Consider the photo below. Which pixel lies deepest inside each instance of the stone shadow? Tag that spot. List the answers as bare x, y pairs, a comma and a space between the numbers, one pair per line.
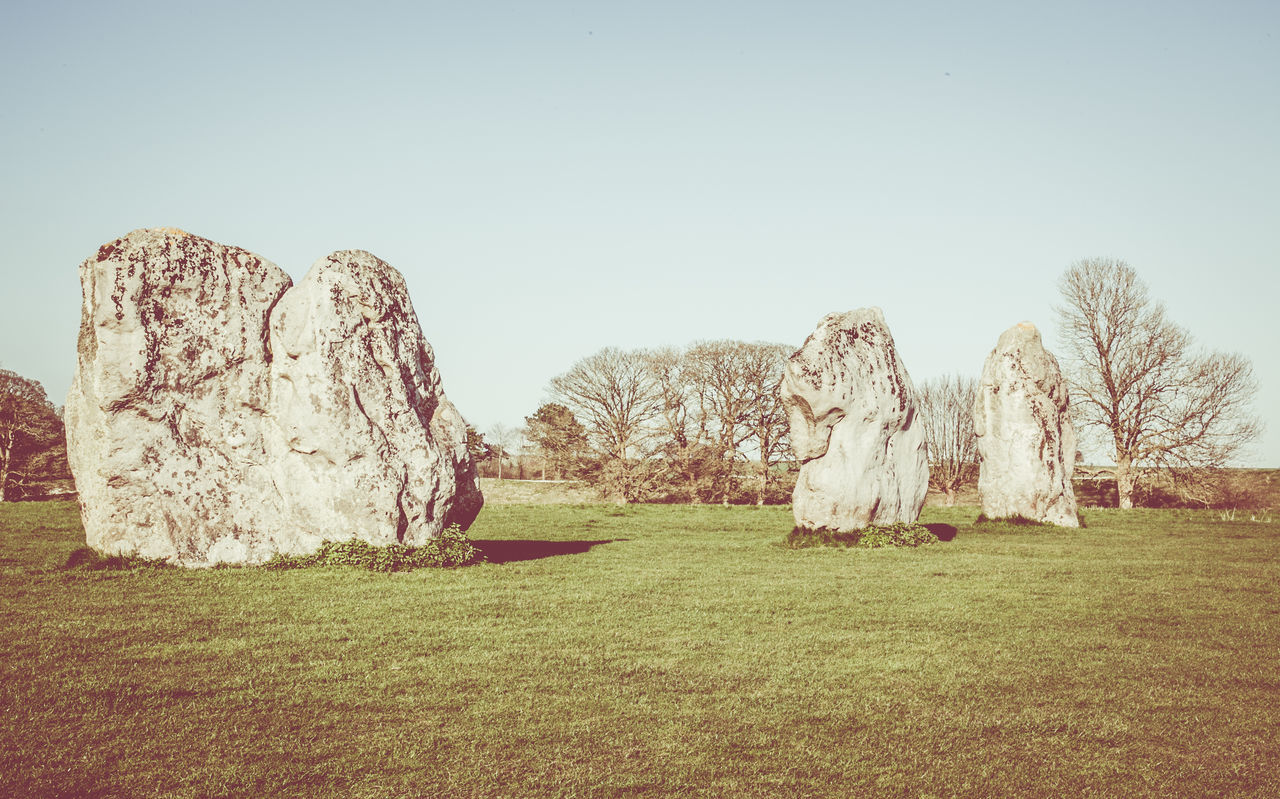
944, 532
512, 550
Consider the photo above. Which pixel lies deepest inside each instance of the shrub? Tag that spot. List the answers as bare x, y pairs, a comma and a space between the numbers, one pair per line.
451, 549
873, 536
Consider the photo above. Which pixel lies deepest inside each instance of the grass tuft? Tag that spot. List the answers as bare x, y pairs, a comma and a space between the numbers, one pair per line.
1018, 520
872, 536
86, 559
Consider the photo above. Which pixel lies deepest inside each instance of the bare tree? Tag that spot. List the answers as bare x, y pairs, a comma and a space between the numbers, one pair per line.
504, 438
727, 402
682, 421
613, 393
1134, 377
680, 418
946, 409
765, 421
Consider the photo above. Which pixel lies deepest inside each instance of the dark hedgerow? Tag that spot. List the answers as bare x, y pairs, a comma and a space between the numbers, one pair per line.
873, 536
451, 549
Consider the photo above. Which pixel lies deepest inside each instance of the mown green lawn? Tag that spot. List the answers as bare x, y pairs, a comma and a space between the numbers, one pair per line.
657, 651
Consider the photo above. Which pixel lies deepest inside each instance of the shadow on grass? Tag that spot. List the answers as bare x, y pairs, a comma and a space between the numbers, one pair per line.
944, 532
510, 551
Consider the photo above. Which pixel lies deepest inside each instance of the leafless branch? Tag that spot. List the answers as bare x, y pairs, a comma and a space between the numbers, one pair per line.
1133, 377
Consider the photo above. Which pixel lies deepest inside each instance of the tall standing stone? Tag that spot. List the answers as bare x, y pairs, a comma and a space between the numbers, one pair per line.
1025, 440
852, 413
364, 438
166, 412
219, 415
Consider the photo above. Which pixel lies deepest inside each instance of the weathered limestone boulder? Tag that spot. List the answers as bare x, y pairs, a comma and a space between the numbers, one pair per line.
852, 412
1025, 441
364, 439
219, 415
166, 411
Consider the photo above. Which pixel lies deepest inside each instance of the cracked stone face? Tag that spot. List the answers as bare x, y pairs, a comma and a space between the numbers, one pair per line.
852, 413
1025, 440
220, 413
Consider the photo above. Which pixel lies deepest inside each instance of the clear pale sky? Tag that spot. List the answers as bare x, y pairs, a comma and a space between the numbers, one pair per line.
557, 177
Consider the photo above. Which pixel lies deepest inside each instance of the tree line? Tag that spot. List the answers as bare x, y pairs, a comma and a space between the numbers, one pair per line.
699, 424
703, 424
706, 423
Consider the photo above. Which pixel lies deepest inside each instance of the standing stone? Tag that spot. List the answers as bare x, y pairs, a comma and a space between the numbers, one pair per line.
1025, 441
364, 438
165, 415
203, 379
852, 412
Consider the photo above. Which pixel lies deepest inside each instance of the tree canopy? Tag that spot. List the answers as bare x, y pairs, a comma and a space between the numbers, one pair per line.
33, 451
674, 421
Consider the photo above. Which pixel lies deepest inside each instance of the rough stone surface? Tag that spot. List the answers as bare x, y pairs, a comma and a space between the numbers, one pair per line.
364, 438
1025, 440
219, 415
852, 412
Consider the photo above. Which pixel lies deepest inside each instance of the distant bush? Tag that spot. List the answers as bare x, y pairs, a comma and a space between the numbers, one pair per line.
1095, 491
1221, 489
742, 487
451, 549
873, 536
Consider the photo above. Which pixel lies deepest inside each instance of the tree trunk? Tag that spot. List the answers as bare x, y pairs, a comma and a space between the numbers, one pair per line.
764, 483
691, 480
728, 479
624, 475
951, 495
1124, 481
5, 458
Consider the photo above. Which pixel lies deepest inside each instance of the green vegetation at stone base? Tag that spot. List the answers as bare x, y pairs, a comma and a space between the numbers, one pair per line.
451, 549
990, 523
873, 536
657, 651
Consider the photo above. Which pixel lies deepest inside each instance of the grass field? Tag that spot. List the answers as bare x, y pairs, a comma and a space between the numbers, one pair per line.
657, 651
